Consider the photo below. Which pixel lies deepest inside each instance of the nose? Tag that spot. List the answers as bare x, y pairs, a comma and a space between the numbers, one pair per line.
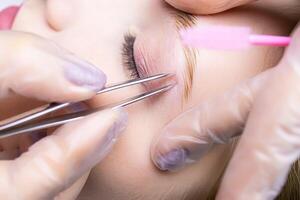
59, 13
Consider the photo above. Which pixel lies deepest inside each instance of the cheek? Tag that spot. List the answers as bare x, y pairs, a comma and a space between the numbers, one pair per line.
128, 172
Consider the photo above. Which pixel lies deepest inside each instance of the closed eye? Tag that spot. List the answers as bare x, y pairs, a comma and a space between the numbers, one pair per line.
128, 56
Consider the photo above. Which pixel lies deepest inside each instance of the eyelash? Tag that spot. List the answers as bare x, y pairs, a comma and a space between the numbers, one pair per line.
128, 55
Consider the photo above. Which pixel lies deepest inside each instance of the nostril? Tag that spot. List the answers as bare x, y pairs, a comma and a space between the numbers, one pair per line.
59, 14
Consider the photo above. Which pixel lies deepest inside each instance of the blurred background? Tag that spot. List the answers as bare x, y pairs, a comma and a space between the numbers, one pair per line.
5, 3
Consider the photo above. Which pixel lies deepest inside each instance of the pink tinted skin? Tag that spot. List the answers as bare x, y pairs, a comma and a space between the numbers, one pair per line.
168, 58
94, 30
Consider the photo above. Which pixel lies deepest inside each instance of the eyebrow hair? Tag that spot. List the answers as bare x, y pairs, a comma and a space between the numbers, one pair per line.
183, 21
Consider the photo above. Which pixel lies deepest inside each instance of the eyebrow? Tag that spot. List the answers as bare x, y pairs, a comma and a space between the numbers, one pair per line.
183, 21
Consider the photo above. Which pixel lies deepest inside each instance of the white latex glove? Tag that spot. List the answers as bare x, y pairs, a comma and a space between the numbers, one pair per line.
36, 68
54, 163
266, 110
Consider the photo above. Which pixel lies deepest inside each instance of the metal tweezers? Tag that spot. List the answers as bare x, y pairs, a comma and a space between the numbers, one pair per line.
26, 123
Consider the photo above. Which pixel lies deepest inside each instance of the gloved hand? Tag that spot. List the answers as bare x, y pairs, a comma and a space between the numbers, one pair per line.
265, 109
36, 68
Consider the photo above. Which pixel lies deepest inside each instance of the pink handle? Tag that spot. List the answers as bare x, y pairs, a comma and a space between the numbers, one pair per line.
270, 40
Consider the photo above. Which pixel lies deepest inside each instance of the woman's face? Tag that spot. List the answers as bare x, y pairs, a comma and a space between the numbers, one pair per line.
95, 30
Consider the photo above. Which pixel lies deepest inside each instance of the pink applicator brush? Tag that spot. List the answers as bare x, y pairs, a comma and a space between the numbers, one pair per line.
229, 38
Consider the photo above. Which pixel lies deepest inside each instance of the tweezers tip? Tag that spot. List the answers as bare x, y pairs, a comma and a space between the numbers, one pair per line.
168, 74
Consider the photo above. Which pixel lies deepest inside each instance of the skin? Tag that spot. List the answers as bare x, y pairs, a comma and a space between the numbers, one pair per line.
94, 30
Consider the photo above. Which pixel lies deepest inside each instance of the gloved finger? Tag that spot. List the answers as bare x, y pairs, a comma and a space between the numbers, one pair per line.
188, 137
74, 190
57, 161
270, 143
206, 6
14, 146
37, 68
